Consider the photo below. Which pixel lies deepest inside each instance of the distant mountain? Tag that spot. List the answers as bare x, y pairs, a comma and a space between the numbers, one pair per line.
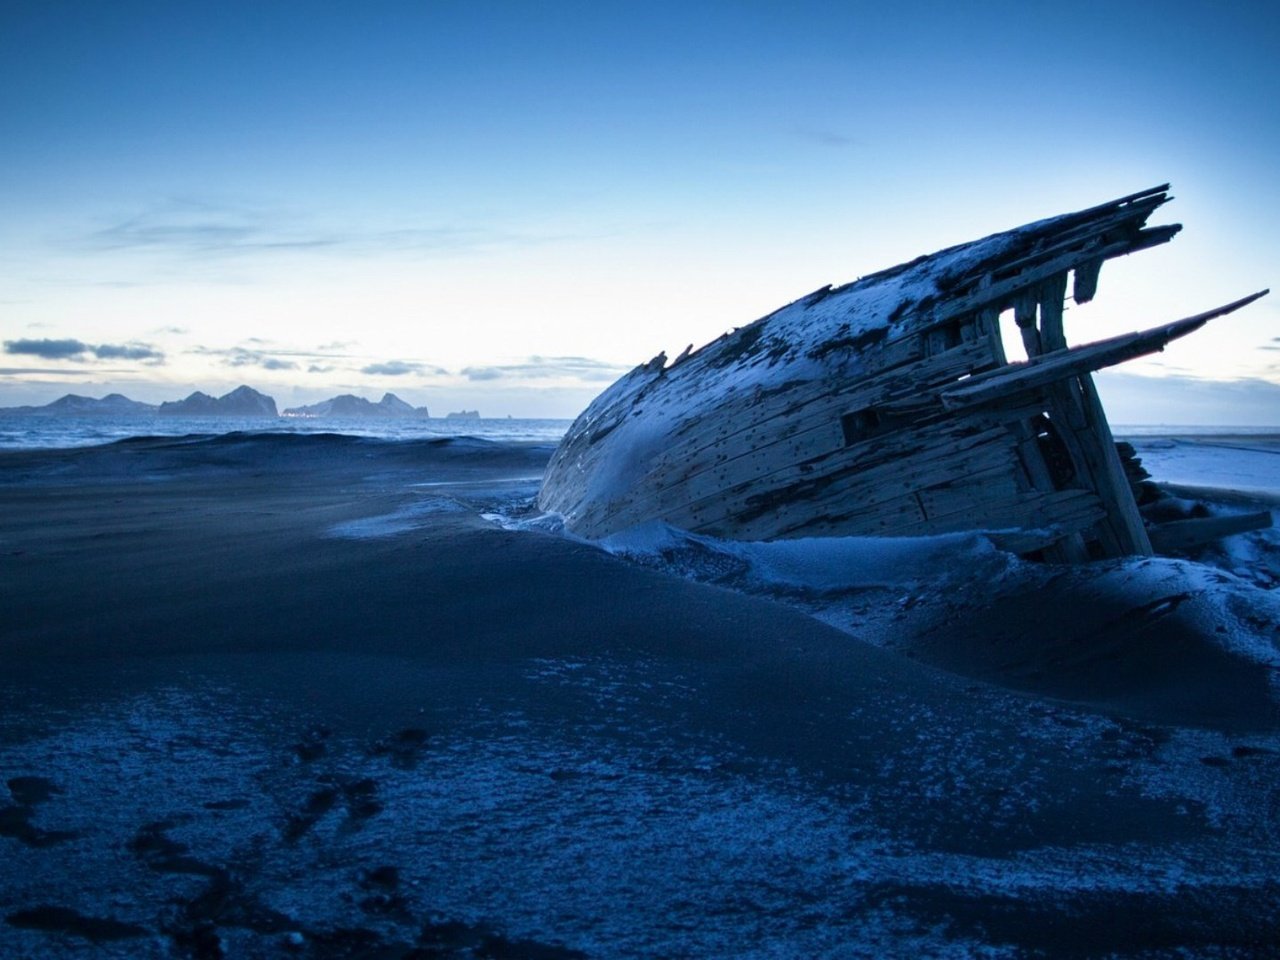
463, 415
73, 405
348, 405
240, 402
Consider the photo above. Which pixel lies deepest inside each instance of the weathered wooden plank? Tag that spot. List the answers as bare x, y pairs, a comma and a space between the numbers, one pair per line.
1060, 254
909, 512
1035, 373
810, 446
866, 474
1069, 423
863, 465
877, 520
1052, 292
971, 494
1024, 308
1024, 315
1184, 534
936, 444
987, 292
1085, 280
1069, 548
1032, 459
815, 407
1093, 452
1002, 290
1121, 227
861, 470
1064, 509
1115, 485
721, 497
749, 408
989, 323
1061, 511
791, 496
1073, 516
1151, 193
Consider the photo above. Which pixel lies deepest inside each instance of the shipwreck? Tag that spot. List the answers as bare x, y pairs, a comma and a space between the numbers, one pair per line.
887, 407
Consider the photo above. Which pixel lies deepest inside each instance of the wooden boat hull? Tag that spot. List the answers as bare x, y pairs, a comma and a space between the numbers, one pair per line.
886, 407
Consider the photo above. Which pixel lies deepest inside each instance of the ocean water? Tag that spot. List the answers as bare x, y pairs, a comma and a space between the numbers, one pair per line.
25, 432
44, 432
1128, 430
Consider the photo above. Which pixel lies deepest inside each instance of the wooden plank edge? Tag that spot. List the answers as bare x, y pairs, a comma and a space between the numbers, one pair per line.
1182, 534
1035, 373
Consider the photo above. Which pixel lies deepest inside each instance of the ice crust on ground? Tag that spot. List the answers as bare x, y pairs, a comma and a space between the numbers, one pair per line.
741, 858
1237, 466
406, 518
1238, 470
842, 579
819, 564
1214, 611
631, 800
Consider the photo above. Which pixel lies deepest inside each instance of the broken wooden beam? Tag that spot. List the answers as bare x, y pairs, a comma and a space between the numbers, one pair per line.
1014, 378
1052, 293
1085, 280
1184, 534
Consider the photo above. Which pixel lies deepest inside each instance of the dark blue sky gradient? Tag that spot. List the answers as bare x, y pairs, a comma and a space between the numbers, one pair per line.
336, 91
871, 132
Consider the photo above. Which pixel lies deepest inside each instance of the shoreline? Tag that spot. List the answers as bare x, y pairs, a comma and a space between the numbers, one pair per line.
226, 717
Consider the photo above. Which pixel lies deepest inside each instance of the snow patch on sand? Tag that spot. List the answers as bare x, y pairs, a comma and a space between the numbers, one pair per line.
819, 563
407, 518
1234, 465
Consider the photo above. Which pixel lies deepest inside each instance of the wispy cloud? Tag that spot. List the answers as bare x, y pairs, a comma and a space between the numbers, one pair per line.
258, 352
64, 372
78, 350
320, 353
202, 229
578, 368
48, 349
127, 351
245, 357
400, 368
201, 232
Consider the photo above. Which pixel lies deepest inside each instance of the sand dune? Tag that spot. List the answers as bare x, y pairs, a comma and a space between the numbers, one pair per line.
296, 695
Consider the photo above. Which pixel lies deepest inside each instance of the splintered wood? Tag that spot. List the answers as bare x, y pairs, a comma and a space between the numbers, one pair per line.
887, 407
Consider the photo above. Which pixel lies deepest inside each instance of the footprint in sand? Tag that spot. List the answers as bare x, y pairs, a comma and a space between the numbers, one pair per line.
317, 804
65, 920
15, 820
154, 847
404, 749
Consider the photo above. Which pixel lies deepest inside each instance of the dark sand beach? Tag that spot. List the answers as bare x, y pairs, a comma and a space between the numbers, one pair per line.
298, 696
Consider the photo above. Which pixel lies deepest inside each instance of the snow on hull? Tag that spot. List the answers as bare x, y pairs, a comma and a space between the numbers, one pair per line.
885, 407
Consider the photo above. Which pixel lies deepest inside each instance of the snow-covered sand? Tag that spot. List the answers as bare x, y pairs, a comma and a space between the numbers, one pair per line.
337, 697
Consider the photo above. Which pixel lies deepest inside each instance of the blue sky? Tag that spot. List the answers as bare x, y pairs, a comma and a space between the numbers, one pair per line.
504, 205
